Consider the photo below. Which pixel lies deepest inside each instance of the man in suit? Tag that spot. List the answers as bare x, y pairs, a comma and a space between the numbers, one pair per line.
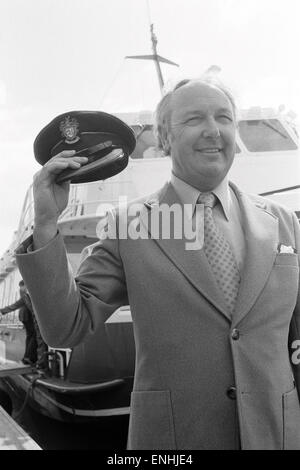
213, 321
23, 304
35, 347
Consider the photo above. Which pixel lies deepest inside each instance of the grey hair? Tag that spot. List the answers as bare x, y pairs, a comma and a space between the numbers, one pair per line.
162, 116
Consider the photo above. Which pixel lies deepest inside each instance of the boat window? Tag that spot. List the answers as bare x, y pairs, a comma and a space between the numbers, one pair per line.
145, 143
265, 135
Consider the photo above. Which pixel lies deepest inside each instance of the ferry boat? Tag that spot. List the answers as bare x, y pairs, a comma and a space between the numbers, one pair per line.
95, 379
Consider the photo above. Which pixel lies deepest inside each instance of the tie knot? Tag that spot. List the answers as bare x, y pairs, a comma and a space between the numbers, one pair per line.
208, 199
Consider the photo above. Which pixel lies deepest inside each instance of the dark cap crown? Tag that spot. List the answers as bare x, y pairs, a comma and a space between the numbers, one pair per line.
90, 133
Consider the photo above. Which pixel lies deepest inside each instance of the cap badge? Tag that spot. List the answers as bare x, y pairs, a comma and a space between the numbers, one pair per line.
69, 128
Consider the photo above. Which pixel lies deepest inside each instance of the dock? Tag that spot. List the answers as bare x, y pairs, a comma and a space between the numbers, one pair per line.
12, 436
14, 368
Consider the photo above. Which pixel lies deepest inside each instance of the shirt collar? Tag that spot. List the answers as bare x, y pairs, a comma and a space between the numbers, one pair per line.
189, 195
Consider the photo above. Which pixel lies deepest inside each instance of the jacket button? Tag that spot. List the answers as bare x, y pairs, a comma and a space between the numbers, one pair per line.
235, 334
231, 393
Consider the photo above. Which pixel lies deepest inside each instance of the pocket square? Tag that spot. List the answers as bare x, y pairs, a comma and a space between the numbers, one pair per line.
286, 249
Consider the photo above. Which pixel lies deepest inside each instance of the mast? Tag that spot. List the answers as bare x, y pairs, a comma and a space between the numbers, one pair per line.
155, 57
156, 60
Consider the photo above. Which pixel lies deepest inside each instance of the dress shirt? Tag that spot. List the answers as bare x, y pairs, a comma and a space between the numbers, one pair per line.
226, 213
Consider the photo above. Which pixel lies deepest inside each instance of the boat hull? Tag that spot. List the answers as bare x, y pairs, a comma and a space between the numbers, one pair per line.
94, 384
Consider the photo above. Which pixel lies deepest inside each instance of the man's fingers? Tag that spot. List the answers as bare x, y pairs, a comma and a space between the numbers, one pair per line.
56, 166
65, 153
66, 161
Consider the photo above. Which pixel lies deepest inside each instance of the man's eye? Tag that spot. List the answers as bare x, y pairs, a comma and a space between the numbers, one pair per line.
225, 117
193, 120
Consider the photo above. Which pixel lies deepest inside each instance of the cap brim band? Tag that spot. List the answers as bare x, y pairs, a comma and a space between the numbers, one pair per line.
97, 165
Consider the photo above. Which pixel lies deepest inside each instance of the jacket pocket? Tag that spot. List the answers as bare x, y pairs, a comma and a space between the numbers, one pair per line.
151, 423
287, 259
291, 420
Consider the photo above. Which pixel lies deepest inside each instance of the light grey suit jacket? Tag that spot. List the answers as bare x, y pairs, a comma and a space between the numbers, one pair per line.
186, 355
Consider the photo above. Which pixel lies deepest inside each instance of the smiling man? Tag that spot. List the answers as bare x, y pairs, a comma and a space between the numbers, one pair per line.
202, 134
214, 327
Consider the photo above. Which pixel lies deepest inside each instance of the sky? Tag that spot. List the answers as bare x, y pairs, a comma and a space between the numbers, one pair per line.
61, 55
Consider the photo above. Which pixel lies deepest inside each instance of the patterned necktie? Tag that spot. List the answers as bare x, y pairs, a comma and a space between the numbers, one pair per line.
219, 254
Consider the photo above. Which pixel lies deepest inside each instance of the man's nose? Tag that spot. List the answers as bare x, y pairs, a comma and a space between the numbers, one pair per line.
211, 129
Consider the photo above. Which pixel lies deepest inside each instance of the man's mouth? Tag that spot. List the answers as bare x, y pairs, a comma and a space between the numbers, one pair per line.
210, 150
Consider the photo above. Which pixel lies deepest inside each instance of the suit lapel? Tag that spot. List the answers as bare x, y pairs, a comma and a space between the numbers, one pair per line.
261, 235
192, 263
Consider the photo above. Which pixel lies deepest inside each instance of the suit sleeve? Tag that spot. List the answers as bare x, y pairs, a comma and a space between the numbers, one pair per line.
294, 333
67, 308
15, 306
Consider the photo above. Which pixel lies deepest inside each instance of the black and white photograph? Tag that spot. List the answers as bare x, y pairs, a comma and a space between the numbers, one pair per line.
149, 236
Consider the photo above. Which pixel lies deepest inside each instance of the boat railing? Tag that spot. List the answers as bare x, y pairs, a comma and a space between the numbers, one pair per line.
17, 325
80, 208
7, 260
80, 203
62, 357
87, 208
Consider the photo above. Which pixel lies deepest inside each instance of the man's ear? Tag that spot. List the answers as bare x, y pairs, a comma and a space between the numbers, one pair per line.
166, 142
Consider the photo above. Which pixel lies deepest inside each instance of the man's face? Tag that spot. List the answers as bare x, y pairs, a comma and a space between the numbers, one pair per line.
201, 135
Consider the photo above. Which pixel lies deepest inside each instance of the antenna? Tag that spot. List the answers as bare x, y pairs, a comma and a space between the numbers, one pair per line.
155, 57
